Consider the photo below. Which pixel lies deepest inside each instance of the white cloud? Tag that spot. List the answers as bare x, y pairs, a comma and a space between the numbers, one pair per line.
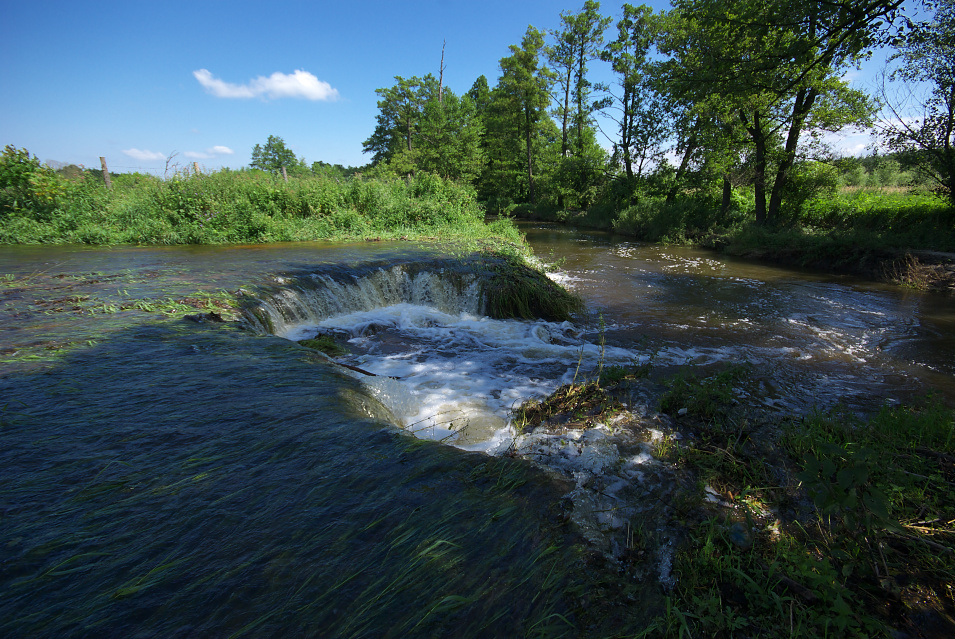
851, 76
144, 156
850, 142
300, 84
209, 153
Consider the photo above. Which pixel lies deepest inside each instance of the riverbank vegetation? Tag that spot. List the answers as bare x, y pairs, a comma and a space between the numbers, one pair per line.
829, 524
703, 128
249, 206
715, 130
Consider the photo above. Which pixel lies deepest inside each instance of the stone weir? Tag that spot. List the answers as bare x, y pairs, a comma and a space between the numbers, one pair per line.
478, 285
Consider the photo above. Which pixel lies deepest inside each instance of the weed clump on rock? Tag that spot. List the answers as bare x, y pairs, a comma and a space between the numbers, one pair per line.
515, 290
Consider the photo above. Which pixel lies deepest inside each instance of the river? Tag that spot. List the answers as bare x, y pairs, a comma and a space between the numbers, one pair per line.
163, 477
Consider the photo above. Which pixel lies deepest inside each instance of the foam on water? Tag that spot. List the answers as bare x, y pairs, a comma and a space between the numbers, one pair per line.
456, 377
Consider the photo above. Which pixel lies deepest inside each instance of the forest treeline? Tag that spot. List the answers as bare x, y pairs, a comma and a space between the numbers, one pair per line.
711, 130
717, 113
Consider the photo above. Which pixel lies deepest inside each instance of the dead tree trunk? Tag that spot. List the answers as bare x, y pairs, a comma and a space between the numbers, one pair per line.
109, 183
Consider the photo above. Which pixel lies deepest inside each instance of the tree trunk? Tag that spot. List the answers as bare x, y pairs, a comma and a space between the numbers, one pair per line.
441, 75
801, 108
580, 99
691, 147
759, 165
530, 163
626, 128
727, 194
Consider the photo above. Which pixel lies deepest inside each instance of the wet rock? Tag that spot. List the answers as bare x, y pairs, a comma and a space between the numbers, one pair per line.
740, 535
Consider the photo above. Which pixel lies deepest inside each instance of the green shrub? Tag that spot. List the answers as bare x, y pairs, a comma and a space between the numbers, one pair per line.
26, 186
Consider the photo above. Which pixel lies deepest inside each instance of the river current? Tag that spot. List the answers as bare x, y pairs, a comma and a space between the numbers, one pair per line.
162, 477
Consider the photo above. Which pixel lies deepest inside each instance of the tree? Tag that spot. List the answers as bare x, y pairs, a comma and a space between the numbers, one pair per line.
921, 126
273, 156
400, 109
480, 94
422, 126
777, 66
636, 106
577, 44
521, 98
450, 138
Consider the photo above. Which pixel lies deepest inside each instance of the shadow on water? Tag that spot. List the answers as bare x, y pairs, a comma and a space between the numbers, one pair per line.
181, 478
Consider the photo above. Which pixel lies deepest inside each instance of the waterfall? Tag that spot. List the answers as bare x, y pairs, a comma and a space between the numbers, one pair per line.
309, 298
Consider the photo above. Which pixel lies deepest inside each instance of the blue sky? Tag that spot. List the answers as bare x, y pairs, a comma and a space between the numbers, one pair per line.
138, 81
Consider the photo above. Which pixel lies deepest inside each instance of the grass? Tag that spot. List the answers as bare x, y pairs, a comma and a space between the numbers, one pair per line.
705, 397
325, 344
582, 403
514, 290
246, 207
873, 552
832, 525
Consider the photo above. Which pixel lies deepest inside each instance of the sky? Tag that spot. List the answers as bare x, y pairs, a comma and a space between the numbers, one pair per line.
206, 80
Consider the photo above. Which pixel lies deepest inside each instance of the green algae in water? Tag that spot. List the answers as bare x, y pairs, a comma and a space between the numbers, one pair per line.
208, 479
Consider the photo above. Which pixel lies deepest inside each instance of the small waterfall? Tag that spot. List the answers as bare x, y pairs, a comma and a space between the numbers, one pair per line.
309, 298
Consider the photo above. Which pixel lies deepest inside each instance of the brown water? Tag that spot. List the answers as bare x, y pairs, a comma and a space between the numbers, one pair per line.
817, 338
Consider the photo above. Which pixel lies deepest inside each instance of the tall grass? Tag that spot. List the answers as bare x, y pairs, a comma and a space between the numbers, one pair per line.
242, 207
905, 219
848, 222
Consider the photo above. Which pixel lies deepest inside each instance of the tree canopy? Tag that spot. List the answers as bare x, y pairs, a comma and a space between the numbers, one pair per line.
710, 92
273, 156
921, 123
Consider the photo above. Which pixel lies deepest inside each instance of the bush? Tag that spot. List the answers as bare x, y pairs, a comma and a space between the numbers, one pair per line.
683, 220
807, 182
27, 187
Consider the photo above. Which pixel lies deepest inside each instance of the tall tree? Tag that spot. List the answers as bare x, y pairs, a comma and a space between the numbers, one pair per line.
778, 66
635, 104
400, 108
449, 141
422, 126
921, 122
577, 44
523, 93
480, 93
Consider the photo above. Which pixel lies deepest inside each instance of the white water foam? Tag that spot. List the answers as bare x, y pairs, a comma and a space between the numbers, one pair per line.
456, 377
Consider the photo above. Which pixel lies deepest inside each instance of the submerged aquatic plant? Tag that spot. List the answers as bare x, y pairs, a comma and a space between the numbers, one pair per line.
325, 344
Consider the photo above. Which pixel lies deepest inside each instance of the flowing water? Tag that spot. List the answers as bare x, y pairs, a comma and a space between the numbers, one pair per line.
820, 339
164, 477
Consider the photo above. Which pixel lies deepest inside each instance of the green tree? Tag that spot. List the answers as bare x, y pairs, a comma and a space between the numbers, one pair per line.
418, 130
400, 109
578, 43
921, 123
450, 138
778, 67
480, 94
520, 103
273, 156
635, 105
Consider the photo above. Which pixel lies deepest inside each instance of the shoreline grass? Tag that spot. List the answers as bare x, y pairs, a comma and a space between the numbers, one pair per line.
893, 235
233, 207
830, 524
